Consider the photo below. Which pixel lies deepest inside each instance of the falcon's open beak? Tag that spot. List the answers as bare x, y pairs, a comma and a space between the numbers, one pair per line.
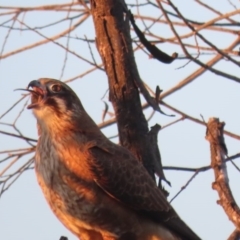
38, 92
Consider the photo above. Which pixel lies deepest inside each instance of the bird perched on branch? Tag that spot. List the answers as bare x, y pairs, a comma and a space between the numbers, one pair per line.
96, 188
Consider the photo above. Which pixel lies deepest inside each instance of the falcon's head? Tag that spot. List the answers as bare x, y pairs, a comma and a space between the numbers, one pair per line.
53, 100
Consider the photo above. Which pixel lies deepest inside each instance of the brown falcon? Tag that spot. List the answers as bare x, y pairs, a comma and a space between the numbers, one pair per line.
96, 188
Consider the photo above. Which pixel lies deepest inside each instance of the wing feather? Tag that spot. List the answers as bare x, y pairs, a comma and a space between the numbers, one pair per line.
123, 178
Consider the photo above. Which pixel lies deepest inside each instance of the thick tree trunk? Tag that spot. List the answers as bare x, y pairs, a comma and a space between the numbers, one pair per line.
115, 47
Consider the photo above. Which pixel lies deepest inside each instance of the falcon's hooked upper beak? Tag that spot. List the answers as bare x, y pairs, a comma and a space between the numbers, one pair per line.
52, 95
39, 93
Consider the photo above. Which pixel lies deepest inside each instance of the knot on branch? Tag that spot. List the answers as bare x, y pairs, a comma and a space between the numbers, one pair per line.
214, 135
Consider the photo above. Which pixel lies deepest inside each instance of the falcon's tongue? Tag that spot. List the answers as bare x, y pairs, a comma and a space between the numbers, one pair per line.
38, 93
37, 96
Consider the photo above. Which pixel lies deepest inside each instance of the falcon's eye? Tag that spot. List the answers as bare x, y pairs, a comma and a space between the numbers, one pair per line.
56, 88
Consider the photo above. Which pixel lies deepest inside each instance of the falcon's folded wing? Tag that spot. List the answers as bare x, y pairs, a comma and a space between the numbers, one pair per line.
125, 179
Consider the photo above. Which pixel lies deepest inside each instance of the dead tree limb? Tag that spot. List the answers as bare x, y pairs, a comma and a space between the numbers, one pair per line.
218, 150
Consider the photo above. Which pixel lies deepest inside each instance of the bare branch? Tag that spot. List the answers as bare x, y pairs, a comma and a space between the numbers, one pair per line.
218, 153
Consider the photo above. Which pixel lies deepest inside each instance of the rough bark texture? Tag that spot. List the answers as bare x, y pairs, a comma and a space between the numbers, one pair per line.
114, 45
218, 154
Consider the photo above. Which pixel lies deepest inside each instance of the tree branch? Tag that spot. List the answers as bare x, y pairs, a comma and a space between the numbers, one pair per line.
218, 149
115, 47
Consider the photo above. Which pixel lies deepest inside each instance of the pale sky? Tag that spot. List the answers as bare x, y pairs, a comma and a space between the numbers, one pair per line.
24, 213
